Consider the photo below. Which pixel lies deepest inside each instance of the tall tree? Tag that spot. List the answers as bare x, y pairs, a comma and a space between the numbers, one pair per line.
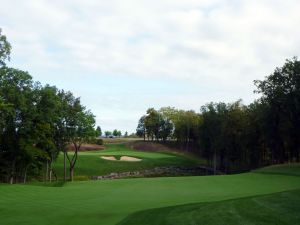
98, 131
141, 128
281, 90
165, 128
80, 128
16, 89
152, 123
107, 133
119, 133
61, 133
115, 132
48, 114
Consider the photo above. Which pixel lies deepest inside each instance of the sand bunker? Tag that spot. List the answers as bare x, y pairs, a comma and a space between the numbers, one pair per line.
109, 158
129, 158
123, 158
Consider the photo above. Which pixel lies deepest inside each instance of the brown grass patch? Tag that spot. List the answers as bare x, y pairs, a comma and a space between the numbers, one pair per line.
149, 146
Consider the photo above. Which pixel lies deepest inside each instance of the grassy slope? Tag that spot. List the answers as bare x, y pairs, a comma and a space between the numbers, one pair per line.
280, 208
287, 169
89, 163
108, 202
274, 209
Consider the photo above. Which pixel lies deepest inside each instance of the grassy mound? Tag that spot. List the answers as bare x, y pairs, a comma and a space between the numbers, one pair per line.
109, 202
90, 163
280, 209
284, 169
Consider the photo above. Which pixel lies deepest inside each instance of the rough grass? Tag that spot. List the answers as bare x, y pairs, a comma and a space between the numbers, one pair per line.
91, 164
109, 202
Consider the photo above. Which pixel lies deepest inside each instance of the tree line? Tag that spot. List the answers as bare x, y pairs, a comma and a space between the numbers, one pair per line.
115, 133
37, 123
234, 137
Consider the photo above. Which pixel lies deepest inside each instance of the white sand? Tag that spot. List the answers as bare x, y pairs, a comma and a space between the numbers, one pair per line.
123, 158
129, 158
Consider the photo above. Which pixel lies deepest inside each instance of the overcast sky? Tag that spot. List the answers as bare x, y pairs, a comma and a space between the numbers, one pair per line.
123, 57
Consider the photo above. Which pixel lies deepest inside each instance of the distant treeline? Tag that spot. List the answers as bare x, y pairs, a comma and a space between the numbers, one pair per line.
36, 124
234, 137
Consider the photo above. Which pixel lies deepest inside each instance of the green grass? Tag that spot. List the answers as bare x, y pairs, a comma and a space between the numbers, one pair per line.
279, 208
231, 199
90, 163
274, 209
287, 169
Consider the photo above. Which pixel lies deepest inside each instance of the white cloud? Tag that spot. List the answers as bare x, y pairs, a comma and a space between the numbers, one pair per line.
221, 45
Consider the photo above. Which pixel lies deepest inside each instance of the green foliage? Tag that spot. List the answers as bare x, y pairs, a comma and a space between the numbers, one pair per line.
234, 137
18, 91
117, 133
154, 125
281, 92
99, 141
43, 117
5, 49
107, 133
36, 123
141, 129
98, 131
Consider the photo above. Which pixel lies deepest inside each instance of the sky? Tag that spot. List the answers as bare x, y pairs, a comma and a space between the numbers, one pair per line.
123, 57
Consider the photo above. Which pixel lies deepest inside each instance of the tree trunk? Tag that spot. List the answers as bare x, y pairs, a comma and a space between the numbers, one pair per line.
55, 176
73, 160
25, 175
12, 173
50, 176
50, 172
47, 171
71, 173
65, 168
187, 145
215, 162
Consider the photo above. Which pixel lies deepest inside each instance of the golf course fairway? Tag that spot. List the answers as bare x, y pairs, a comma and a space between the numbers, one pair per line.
115, 201
91, 163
